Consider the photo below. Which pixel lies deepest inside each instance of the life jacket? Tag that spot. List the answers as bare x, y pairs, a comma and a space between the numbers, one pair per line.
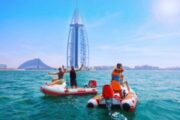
116, 85
115, 82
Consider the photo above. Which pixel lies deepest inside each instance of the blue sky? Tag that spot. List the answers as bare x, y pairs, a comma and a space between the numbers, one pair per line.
133, 32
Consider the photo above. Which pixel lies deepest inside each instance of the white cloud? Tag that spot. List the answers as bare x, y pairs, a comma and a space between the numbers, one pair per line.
154, 40
132, 55
100, 21
108, 47
155, 36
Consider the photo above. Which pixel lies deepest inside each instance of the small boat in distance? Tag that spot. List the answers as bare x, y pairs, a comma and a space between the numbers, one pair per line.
63, 90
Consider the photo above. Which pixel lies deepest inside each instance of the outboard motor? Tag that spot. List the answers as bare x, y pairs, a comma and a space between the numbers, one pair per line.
92, 83
108, 94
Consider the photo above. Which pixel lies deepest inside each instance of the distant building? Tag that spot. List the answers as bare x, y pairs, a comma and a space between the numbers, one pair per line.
103, 67
146, 67
77, 47
171, 68
3, 66
109, 67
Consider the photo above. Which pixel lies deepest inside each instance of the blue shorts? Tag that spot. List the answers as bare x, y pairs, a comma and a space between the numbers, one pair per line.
117, 78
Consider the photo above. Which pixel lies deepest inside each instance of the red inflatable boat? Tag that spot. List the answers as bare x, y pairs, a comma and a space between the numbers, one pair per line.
128, 103
62, 90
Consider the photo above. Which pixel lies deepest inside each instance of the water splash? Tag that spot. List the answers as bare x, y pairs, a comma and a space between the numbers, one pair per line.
118, 116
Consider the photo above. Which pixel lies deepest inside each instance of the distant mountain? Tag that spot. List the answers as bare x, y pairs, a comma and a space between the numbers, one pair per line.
34, 64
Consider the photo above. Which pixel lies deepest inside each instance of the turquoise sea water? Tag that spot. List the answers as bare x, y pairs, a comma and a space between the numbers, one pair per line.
21, 99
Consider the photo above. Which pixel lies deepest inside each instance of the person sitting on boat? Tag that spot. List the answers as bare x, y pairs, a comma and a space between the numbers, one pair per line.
73, 76
60, 75
117, 79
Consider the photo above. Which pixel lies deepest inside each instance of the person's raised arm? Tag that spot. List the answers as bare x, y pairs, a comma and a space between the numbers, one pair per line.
80, 68
63, 68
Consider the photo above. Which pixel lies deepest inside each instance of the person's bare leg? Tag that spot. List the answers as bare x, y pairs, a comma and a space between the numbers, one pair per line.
127, 86
122, 78
121, 95
54, 80
57, 81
